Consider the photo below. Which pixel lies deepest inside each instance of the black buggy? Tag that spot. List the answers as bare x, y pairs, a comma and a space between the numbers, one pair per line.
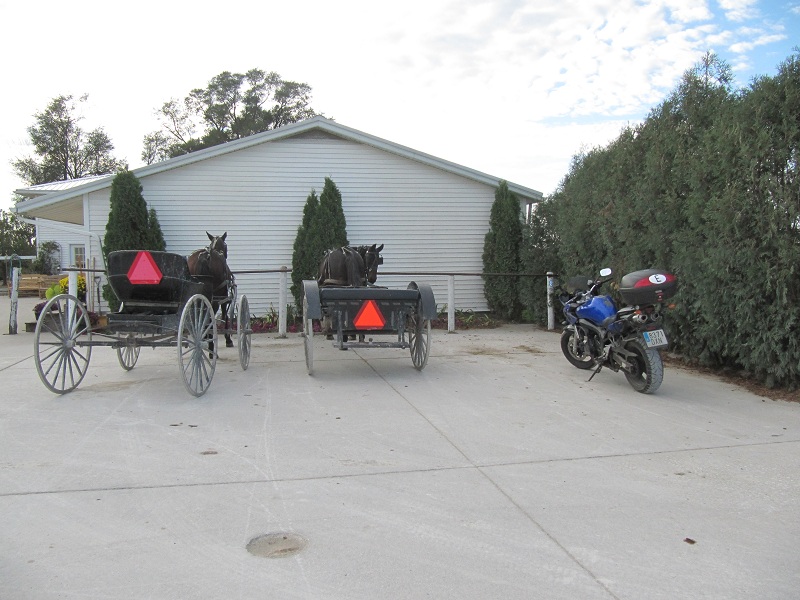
162, 305
356, 317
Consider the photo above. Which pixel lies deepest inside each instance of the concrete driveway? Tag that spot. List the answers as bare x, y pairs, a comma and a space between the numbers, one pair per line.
497, 472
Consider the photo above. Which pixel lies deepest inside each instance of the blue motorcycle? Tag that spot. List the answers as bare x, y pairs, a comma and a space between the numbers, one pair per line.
597, 334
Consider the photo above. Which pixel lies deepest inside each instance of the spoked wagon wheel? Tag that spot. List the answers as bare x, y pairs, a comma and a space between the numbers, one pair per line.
128, 354
419, 338
197, 345
308, 338
244, 332
62, 327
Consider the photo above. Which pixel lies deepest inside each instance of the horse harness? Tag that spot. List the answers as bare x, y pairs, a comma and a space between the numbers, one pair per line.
351, 258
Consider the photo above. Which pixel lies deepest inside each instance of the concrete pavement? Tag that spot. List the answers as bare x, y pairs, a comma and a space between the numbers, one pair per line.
497, 472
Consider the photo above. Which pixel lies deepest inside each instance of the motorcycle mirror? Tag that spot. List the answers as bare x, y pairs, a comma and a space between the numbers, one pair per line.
605, 272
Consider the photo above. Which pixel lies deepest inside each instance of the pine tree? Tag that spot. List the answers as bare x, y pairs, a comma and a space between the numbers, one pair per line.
304, 264
156, 241
501, 254
329, 225
130, 226
324, 227
126, 228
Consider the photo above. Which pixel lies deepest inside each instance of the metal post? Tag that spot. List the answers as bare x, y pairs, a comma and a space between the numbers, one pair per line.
451, 303
72, 290
12, 317
551, 317
282, 302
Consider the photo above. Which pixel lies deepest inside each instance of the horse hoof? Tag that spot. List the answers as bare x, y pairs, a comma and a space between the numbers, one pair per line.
229, 344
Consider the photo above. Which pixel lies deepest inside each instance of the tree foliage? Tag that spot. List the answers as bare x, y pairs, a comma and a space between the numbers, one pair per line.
539, 254
329, 225
501, 254
304, 264
324, 227
16, 237
63, 150
231, 106
130, 226
47, 260
706, 187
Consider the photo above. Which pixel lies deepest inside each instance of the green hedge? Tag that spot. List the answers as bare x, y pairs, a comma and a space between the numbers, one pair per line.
706, 187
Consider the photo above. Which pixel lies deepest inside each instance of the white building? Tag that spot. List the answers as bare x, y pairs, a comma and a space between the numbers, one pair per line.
431, 214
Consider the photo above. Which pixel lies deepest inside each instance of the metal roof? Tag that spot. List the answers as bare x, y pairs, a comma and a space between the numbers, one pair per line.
58, 186
86, 185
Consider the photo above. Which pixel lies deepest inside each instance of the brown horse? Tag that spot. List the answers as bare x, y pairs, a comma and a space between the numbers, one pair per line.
350, 266
212, 263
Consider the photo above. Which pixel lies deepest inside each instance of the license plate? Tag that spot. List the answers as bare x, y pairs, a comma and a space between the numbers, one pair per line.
655, 339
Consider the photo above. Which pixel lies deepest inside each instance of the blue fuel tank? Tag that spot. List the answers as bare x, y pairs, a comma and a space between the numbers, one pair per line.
600, 310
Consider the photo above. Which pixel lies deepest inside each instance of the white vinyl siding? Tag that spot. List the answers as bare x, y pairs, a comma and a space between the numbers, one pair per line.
430, 215
428, 219
64, 235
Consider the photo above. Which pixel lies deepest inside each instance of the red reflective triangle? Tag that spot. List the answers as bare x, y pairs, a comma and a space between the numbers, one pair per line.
369, 316
144, 270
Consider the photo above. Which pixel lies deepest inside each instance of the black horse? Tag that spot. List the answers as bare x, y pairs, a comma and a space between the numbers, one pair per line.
350, 266
212, 262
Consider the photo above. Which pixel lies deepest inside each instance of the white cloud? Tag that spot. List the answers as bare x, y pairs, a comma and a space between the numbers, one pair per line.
760, 39
739, 10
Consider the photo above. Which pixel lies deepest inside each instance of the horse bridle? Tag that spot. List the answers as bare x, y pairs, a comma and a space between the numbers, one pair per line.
212, 247
372, 260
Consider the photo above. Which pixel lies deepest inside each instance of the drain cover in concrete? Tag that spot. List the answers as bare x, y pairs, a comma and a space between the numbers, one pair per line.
276, 545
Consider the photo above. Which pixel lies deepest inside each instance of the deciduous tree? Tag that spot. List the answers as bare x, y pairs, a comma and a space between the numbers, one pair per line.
231, 106
63, 150
16, 237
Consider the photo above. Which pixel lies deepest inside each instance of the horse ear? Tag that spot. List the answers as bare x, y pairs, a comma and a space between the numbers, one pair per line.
211, 237
379, 249
224, 235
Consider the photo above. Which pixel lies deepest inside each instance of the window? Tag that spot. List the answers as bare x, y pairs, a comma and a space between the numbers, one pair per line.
77, 255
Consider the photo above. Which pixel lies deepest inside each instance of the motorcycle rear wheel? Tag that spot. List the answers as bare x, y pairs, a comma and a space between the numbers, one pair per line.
648, 369
579, 359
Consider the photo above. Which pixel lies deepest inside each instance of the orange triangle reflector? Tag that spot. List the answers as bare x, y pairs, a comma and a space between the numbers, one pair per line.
144, 270
369, 316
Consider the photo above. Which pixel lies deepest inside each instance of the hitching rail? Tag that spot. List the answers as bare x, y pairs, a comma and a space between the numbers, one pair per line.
451, 275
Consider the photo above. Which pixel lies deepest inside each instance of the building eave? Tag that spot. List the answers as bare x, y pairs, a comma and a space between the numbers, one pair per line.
38, 202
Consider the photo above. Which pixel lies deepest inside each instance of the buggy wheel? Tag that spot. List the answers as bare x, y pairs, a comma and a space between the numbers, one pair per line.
197, 329
419, 338
128, 354
308, 338
244, 332
61, 361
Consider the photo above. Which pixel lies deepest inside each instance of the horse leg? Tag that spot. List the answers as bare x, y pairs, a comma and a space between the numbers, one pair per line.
228, 324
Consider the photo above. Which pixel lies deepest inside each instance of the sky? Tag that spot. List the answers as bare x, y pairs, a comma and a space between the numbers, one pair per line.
512, 88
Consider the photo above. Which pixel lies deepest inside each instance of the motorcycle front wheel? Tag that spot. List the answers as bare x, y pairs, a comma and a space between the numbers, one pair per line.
578, 357
647, 372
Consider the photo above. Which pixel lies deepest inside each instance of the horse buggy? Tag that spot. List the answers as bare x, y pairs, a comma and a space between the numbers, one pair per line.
167, 300
355, 313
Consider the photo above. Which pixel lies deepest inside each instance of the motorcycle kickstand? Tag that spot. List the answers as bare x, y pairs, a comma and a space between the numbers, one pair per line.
596, 371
